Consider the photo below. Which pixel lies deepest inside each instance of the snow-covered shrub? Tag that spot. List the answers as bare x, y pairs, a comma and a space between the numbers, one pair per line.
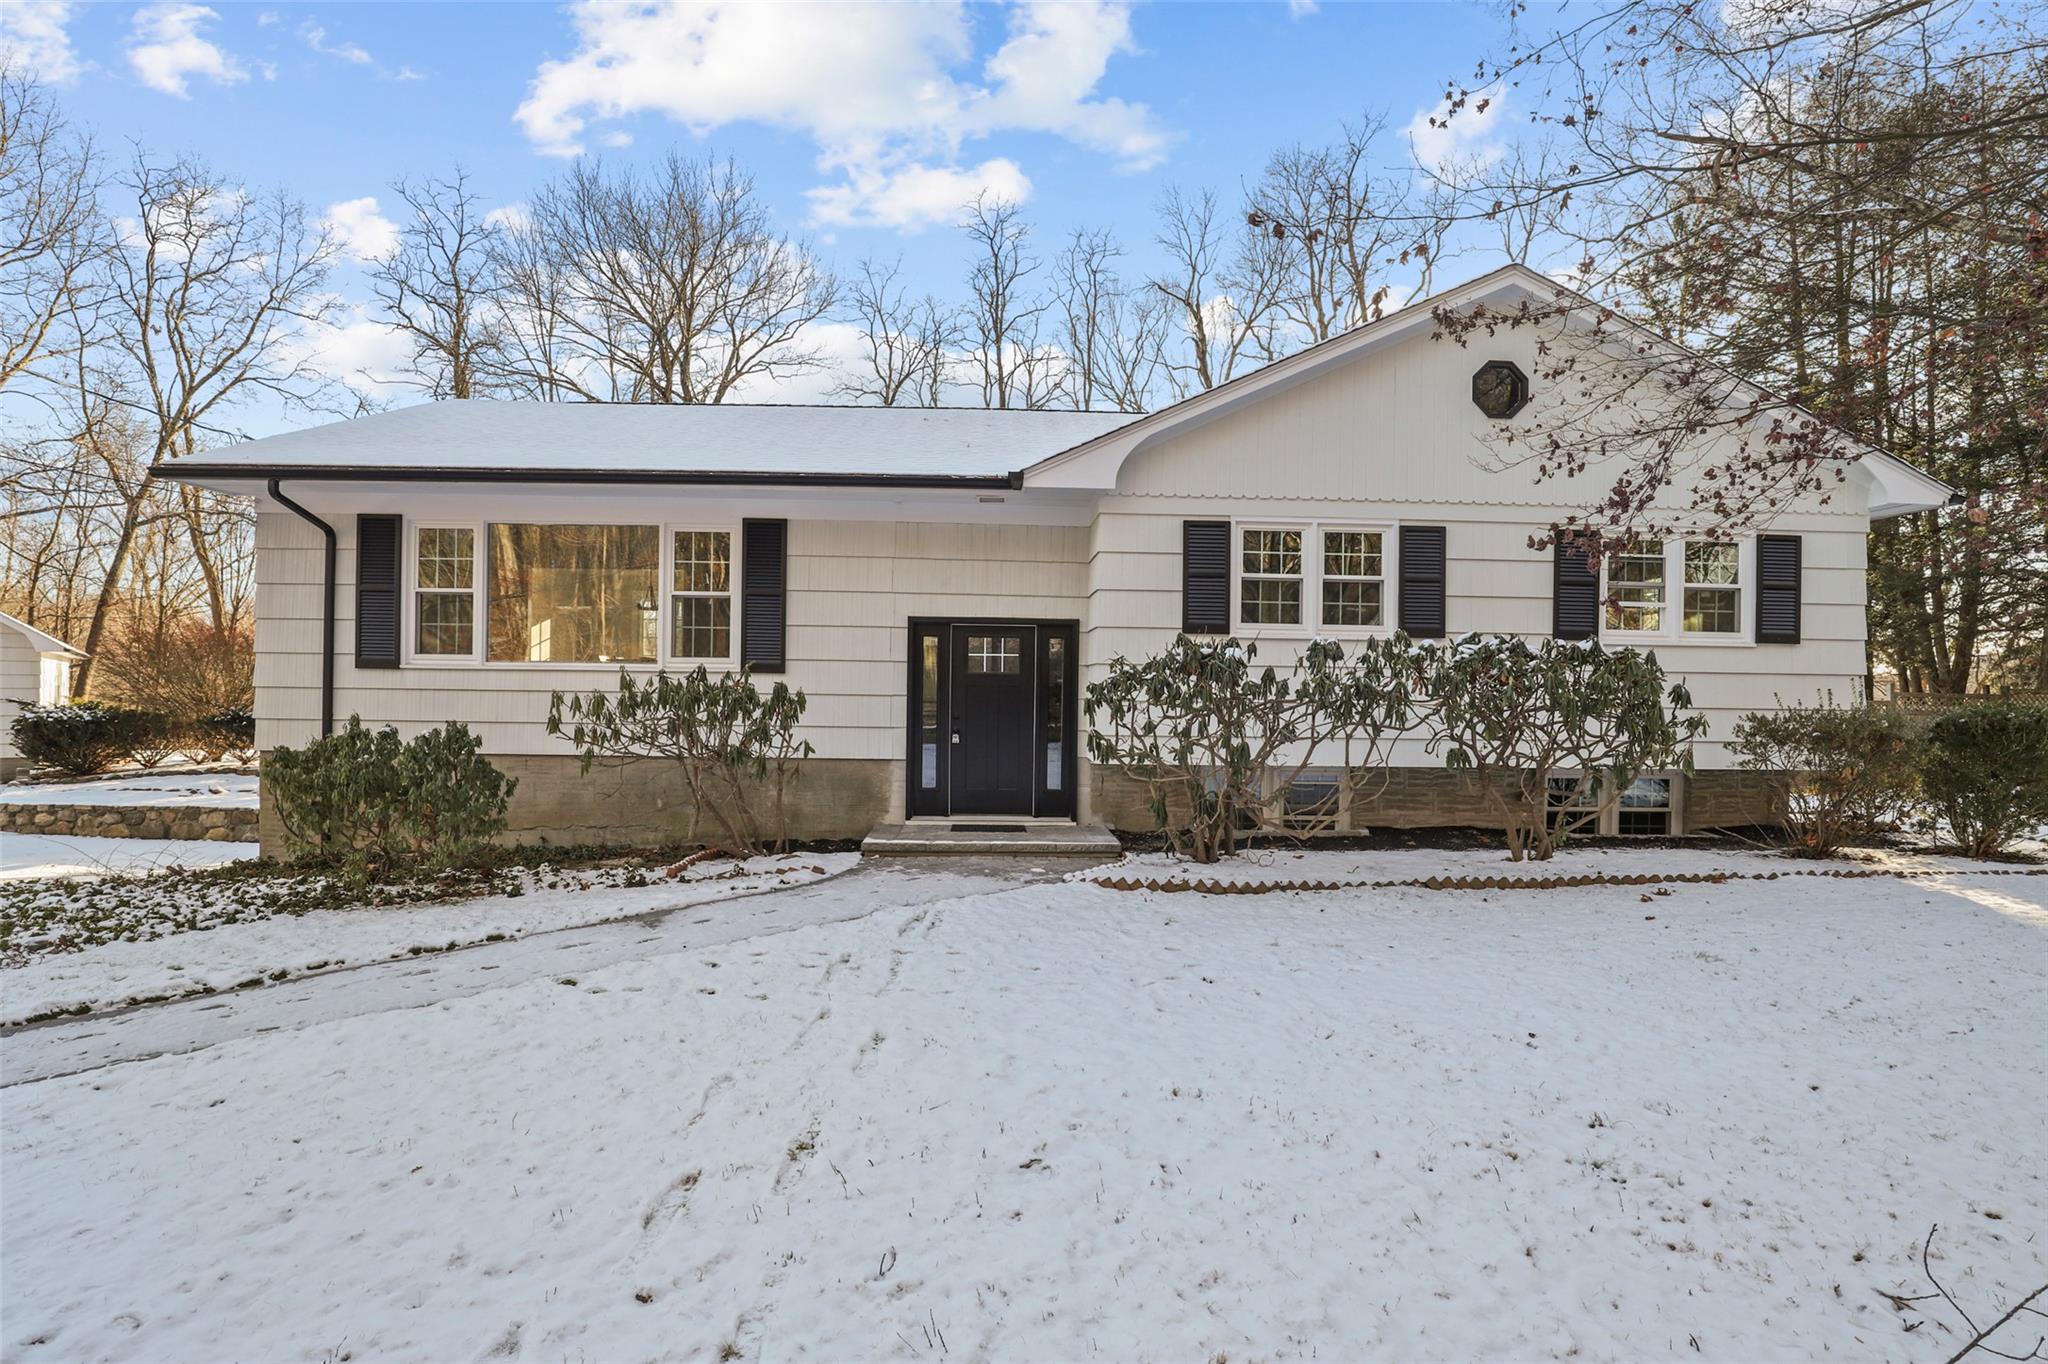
735, 746
154, 738
1537, 722
370, 803
1201, 728
1984, 769
230, 732
82, 739
1839, 773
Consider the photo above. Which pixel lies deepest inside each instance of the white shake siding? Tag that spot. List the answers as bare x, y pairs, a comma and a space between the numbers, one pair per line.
853, 586
1394, 438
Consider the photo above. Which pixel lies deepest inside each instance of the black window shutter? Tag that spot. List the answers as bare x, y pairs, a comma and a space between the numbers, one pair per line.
1422, 581
1777, 589
377, 591
1205, 577
764, 590
1574, 593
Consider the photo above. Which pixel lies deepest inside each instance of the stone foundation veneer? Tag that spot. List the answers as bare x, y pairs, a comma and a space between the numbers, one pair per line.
131, 821
645, 804
1436, 797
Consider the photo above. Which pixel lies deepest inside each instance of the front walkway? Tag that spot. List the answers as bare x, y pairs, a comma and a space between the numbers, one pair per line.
66, 1046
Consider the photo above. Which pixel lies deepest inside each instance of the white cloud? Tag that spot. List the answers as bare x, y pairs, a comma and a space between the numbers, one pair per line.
315, 37
362, 230
913, 196
36, 36
1043, 77
1473, 134
511, 217
358, 348
873, 85
1301, 9
406, 73
165, 49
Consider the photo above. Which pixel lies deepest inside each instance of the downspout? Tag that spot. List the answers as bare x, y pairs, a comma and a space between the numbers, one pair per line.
327, 607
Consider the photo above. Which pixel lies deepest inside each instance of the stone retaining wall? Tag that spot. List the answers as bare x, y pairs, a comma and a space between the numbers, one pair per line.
131, 821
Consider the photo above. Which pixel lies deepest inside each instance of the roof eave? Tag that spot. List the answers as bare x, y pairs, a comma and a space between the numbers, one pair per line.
193, 471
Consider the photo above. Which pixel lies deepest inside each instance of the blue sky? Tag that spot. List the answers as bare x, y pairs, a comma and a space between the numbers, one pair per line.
865, 127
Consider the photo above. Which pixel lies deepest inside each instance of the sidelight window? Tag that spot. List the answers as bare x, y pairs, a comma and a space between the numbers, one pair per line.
1055, 685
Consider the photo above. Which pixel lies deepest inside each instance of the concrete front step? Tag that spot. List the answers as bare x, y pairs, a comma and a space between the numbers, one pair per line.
990, 837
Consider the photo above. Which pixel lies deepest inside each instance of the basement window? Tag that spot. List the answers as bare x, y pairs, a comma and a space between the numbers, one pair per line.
1645, 808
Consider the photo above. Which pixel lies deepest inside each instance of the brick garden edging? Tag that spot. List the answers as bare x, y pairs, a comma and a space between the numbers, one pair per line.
1212, 886
212, 824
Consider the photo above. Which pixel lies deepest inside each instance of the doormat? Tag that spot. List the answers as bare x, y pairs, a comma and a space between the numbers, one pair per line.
988, 828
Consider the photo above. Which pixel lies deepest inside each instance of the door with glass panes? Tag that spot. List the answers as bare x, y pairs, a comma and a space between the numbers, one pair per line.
992, 719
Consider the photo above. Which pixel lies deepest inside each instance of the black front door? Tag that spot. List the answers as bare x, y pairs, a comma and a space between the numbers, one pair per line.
995, 716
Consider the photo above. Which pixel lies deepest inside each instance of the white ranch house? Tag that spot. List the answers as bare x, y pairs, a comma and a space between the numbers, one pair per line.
942, 582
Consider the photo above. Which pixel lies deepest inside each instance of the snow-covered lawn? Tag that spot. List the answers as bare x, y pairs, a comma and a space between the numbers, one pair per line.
30, 857
1062, 1121
195, 790
184, 937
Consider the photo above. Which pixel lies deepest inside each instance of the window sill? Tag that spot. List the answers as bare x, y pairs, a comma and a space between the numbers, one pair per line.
482, 665
1303, 632
1626, 637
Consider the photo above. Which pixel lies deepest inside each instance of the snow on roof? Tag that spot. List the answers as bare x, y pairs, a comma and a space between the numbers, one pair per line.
480, 435
42, 643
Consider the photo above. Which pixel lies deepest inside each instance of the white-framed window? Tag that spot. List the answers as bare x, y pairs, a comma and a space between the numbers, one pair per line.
1712, 604
1690, 590
1647, 807
1310, 578
1637, 588
1270, 572
1354, 587
444, 591
550, 594
700, 605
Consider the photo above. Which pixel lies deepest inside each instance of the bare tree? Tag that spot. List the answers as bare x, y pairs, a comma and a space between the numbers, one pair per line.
1111, 337
1841, 201
441, 287
1342, 231
906, 341
1221, 290
1002, 320
51, 233
214, 290
665, 288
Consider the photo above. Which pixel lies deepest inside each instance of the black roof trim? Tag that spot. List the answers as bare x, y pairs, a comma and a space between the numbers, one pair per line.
185, 470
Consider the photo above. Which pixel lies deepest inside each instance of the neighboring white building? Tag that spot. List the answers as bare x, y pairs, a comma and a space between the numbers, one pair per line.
35, 670
942, 582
